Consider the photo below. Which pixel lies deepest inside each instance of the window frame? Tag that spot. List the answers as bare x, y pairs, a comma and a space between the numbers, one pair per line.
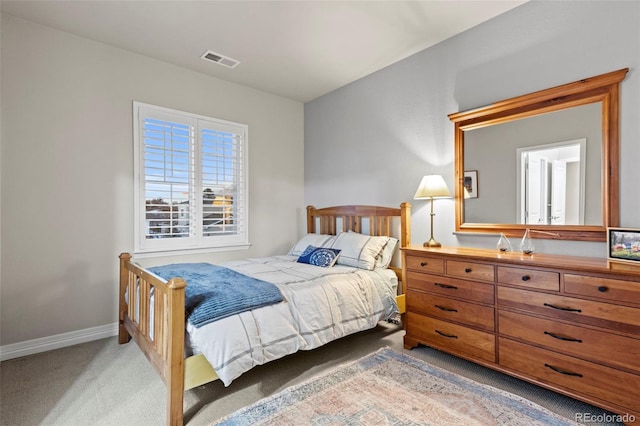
193, 243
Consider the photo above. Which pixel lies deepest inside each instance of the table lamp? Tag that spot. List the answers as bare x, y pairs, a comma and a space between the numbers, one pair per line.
432, 187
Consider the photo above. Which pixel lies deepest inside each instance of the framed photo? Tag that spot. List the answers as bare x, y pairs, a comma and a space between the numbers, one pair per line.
624, 244
471, 184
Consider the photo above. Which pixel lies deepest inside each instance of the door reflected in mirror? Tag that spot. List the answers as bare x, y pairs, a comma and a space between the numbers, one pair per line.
551, 183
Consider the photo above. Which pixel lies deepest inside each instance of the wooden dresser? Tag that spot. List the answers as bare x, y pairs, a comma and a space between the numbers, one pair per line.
566, 323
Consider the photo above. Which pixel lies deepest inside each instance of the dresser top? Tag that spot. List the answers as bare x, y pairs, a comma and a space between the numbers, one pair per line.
577, 263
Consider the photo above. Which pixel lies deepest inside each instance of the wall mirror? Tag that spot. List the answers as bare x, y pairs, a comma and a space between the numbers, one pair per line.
546, 161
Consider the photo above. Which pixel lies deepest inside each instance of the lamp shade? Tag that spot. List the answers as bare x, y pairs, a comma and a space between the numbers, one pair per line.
432, 186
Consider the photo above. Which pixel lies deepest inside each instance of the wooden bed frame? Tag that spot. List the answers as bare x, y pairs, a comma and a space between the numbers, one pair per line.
165, 350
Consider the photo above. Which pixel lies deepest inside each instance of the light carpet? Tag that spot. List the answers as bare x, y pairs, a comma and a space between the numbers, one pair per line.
389, 388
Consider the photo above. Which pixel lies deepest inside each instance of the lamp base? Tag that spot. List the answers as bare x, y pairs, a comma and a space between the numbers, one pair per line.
432, 243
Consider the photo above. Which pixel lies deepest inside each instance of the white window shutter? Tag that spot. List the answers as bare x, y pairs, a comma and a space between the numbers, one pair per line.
191, 181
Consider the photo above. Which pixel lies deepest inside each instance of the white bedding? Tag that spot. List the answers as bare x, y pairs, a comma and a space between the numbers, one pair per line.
321, 305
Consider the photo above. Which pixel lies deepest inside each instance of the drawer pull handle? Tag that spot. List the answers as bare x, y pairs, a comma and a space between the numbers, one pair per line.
602, 289
452, 287
526, 278
442, 308
450, 336
558, 370
467, 270
563, 309
423, 264
567, 339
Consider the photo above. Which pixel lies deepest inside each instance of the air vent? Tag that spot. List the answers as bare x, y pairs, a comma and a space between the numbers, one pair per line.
219, 59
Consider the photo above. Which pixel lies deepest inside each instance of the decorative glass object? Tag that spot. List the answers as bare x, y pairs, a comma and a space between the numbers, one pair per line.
503, 243
526, 245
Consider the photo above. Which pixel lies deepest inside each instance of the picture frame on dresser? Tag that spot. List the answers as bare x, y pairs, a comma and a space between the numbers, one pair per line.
623, 248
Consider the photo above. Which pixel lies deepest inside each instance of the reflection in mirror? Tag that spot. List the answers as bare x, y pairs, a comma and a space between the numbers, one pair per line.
493, 151
571, 193
551, 183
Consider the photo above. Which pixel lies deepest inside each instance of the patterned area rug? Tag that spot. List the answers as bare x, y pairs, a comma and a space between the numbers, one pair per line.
389, 388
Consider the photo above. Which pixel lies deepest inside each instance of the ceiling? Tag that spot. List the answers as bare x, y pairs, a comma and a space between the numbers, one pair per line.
296, 49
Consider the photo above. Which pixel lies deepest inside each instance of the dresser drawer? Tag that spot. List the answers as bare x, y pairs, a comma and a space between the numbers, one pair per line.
444, 286
572, 374
531, 278
451, 338
425, 264
470, 270
593, 345
603, 288
451, 310
620, 318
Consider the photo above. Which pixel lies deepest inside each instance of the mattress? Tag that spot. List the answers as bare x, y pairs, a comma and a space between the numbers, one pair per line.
320, 305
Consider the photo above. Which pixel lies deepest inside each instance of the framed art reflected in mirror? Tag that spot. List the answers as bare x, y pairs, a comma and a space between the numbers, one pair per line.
471, 184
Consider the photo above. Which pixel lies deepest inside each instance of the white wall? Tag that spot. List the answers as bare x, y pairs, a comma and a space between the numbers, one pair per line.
370, 142
67, 171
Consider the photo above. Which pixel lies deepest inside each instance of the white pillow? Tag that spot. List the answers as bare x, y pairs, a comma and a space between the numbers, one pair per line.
358, 250
384, 258
316, 240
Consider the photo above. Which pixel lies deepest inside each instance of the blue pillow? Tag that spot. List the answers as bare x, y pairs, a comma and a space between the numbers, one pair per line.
319, 256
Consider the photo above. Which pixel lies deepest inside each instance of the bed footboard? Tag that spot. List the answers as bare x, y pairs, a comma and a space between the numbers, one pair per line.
152, 312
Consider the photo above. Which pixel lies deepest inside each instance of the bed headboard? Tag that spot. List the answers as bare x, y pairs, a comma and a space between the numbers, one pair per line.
326, 220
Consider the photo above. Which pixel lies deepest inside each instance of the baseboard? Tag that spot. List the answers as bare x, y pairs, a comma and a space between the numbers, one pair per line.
57, 341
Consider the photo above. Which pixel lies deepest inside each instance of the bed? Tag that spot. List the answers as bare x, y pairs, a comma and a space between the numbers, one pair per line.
152, 303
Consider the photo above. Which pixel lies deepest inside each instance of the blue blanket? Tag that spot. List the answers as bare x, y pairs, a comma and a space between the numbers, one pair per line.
214, 292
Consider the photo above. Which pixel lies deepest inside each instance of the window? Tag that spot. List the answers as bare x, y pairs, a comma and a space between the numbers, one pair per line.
191, 183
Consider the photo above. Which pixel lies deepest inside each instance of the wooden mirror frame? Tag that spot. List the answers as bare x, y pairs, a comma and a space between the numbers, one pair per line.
603, 88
